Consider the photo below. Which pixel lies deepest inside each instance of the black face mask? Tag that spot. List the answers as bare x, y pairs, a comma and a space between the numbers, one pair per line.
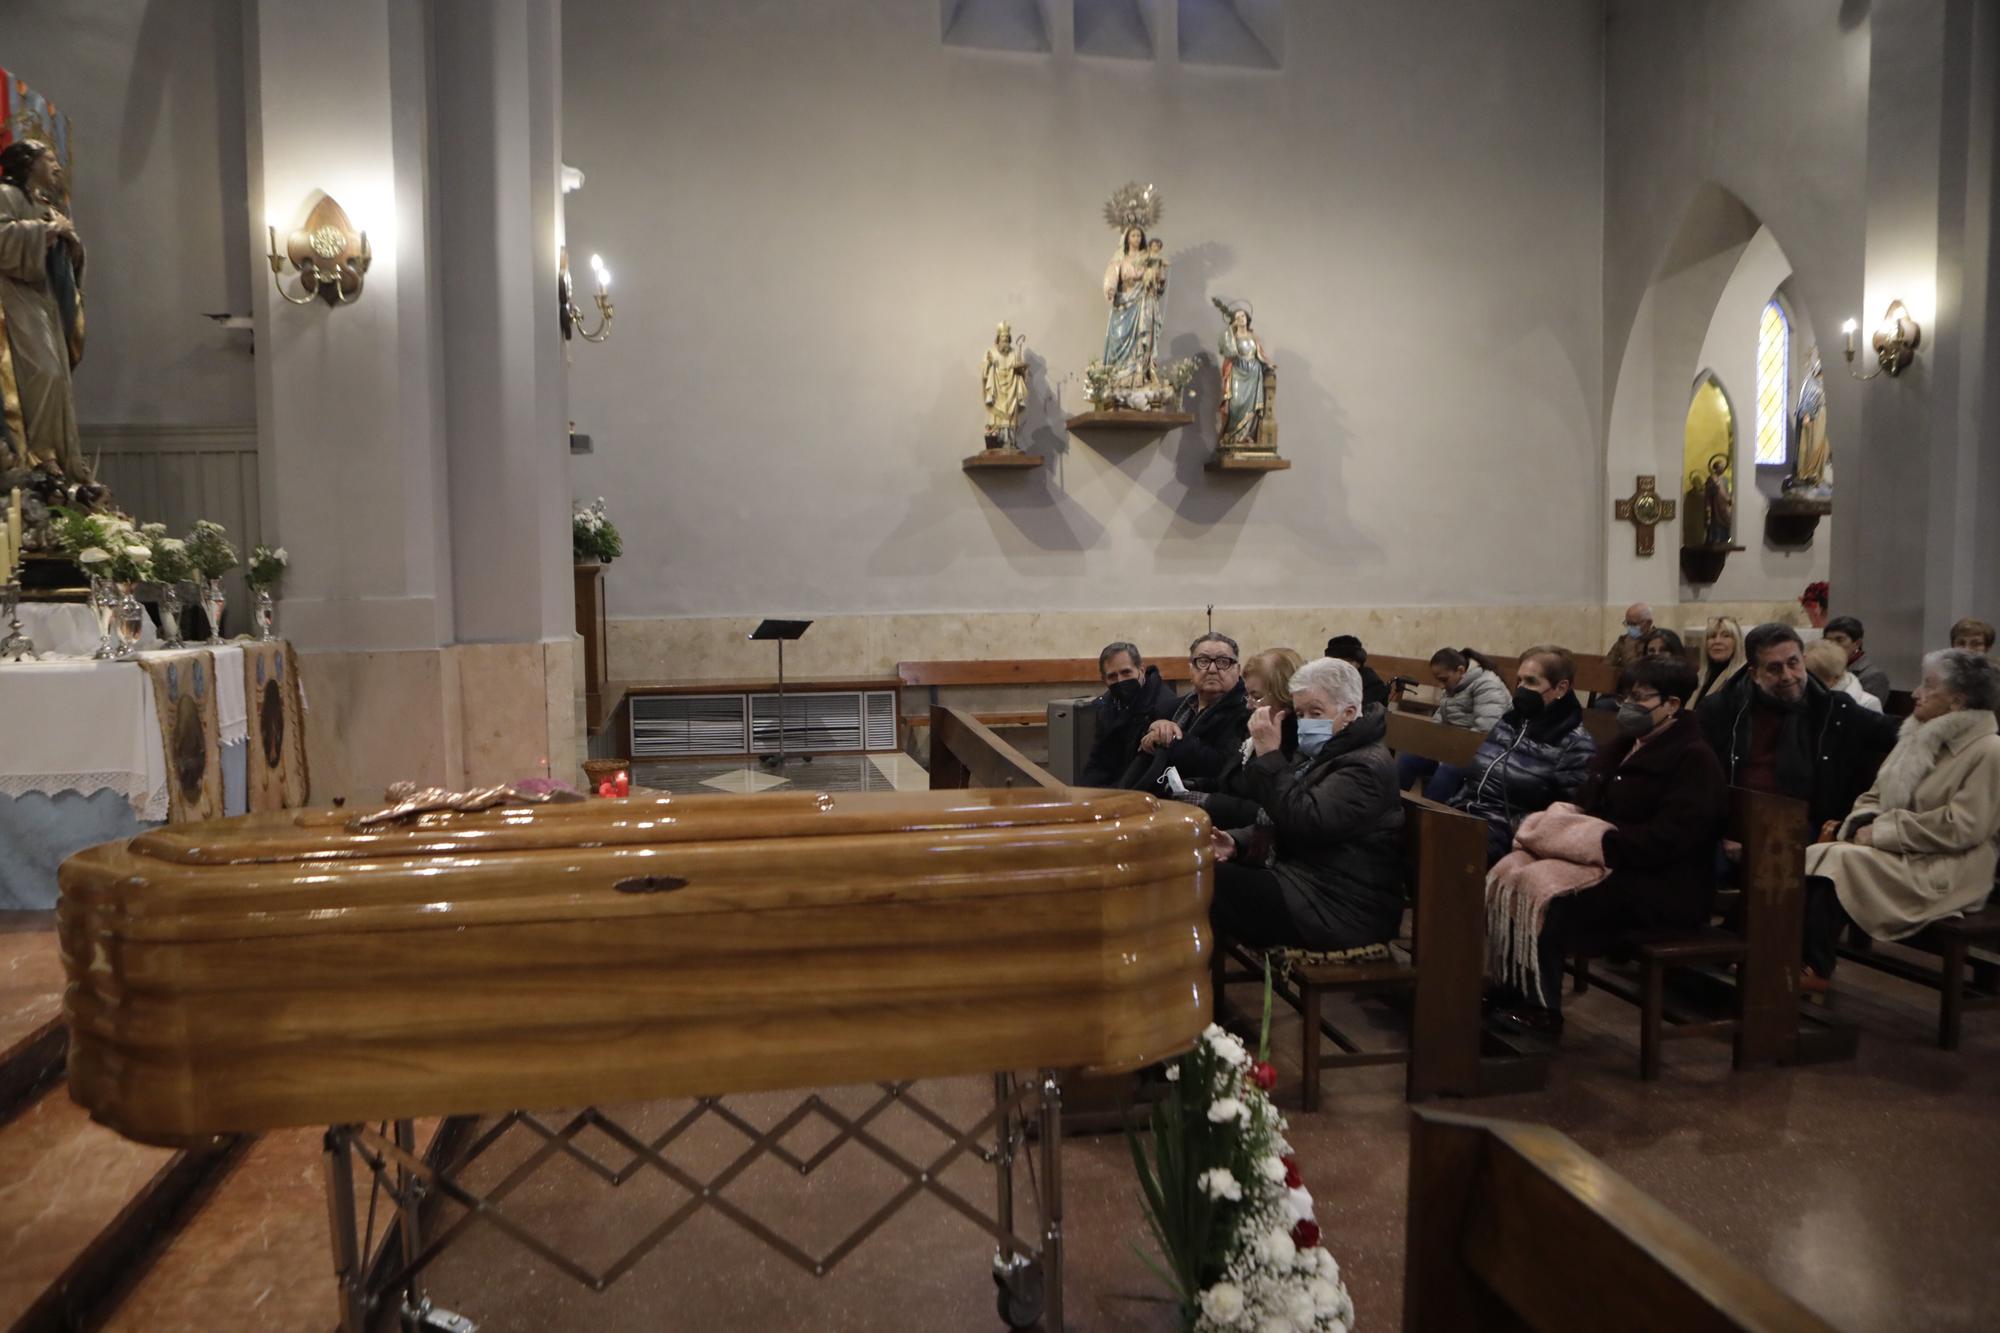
1529, 703
1125, 693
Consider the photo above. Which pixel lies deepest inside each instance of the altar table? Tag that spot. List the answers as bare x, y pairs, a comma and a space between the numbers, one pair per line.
81, 761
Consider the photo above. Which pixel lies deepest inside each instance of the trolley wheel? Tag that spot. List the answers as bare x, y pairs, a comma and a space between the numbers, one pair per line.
1018, 1293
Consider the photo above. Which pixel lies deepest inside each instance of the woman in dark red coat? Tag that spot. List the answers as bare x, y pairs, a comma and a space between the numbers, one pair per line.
1662, 791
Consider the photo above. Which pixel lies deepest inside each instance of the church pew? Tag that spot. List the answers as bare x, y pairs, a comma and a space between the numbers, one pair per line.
1514, 1227
1953, 942
1409, 734
1076, 676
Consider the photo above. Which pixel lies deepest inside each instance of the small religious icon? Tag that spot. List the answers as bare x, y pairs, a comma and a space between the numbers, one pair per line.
1813, 477
1644, 509
1003, 381
41, 312
1718, 505
1246, 417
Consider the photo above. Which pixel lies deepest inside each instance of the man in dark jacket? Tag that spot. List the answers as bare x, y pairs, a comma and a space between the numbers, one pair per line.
1134, 698
1661, 789
1322, 867
1777, 729
1348, 649
1538, 753
1207, 727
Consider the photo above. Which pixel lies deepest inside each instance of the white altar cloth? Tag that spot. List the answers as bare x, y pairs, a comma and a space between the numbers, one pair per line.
84, 726
68, 629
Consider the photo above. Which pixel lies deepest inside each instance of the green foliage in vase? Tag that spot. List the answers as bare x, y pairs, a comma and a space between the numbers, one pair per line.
267, 568
593, 536
209, 550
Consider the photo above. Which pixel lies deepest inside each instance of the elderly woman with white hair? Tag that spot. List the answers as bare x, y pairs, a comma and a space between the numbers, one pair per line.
1322, 866
1921, 844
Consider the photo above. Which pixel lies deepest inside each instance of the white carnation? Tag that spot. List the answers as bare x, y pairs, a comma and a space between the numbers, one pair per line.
172, 544
1329, 1267
1325, 1297
280, 556
1223, 1303
1220, 1184
1276, 1323
1271, 1169
1227, 1048
1173, 1073
93, 555
1300, 1306
1224, 1109
1277, 1249
1300, 1202
138, 553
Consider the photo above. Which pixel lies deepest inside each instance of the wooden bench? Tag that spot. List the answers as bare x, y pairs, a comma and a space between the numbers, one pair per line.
1953, 941
1445, 861
1073, 673
1514, 1227
1409, 734
1764, 1024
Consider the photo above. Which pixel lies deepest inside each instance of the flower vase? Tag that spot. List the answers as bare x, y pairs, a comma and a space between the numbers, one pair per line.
213, 603
104, 606
170, 615
267, 617
130, 620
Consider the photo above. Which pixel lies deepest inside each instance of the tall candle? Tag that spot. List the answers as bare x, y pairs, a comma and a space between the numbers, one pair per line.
13, 531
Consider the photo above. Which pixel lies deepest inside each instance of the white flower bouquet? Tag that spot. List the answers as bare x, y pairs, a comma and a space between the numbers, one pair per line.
267, 568
593, 536
1227, 1209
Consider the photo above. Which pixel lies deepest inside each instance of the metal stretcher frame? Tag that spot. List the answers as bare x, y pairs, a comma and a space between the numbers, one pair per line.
379, 1272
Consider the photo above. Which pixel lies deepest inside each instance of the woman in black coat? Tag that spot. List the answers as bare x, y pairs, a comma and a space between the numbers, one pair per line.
1661, 789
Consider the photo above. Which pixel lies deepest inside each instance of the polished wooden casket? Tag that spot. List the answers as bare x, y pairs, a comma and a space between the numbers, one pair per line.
295, 969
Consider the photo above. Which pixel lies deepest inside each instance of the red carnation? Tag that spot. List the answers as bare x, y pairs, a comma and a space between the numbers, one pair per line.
1292, 1177
1306, 1234
1263, 1075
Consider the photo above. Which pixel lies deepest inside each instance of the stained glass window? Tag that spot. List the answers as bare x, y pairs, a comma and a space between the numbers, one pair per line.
1774, 385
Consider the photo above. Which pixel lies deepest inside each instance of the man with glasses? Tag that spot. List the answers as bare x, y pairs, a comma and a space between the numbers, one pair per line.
1207, 727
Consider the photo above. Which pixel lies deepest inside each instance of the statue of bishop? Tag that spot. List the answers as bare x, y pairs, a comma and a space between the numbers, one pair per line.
1003, 379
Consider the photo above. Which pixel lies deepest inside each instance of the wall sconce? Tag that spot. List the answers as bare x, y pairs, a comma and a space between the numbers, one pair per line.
328, 255
572, 318
1895, 341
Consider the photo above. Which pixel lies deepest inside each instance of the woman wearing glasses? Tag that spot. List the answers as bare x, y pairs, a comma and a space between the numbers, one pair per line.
1208, 725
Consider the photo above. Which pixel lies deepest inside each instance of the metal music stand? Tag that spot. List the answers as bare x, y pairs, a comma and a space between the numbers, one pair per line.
780, 630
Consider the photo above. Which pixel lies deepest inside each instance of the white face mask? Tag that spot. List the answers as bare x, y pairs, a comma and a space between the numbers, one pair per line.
1632, 631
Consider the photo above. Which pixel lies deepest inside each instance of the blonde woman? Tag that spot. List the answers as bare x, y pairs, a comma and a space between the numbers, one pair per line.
1721, 657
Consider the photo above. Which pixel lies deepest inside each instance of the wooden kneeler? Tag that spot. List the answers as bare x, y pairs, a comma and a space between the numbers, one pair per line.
1445, 855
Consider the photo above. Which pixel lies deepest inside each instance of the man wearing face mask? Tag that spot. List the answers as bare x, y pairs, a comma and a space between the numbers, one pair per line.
1628, 647
1322, 866
1538, 753
1134, 698
1660, 790
1777, 729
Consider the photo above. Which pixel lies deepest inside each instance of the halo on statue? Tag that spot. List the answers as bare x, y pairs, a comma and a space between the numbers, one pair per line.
1133, 205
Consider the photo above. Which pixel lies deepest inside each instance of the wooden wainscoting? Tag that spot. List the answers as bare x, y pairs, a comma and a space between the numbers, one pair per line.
177, 474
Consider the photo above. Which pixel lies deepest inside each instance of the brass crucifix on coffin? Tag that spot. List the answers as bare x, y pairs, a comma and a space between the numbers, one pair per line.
1643, 510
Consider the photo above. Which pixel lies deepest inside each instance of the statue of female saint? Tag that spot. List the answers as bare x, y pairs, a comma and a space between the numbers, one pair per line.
1249, 385
1003, 379
1136, 300
1718, 505
41, 311
1814, 474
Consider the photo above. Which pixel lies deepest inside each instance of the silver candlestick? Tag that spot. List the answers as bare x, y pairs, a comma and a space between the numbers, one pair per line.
16, 645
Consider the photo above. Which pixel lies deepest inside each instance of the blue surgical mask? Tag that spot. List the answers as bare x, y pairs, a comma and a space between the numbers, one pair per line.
1632, 631
1314, 732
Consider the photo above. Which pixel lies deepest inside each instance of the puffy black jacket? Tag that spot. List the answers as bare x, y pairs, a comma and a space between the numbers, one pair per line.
1227, 796
1338, 820
1828, 750
1119, 729
1519, 770
1209, 740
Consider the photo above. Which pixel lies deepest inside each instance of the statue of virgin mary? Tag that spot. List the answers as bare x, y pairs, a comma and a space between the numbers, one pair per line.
1135, 287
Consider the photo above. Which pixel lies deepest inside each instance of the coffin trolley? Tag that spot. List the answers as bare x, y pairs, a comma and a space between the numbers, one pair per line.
438, 959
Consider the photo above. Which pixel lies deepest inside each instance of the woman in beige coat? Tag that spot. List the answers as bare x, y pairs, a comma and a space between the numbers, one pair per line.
1921, 843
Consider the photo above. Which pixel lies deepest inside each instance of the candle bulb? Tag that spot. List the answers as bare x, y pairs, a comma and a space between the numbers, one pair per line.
1848, 330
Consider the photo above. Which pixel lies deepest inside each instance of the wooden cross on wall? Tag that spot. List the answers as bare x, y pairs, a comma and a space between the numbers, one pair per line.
1643, 510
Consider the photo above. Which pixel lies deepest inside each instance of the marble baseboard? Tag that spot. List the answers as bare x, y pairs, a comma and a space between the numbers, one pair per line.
467, 714
696, 648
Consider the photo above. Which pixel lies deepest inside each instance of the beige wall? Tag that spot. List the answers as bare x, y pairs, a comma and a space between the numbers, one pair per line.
815, 213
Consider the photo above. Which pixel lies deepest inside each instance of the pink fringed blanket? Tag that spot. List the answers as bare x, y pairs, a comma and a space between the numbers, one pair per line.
1557, 851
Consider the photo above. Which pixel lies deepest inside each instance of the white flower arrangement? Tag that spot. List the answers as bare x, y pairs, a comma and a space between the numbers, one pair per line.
93, 555
1242, 1246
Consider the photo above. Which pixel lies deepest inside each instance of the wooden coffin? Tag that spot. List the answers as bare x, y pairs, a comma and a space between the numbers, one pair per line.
290, 969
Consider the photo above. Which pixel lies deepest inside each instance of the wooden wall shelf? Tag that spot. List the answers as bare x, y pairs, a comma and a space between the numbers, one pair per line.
1001, 460
1123, 418
1248, 463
